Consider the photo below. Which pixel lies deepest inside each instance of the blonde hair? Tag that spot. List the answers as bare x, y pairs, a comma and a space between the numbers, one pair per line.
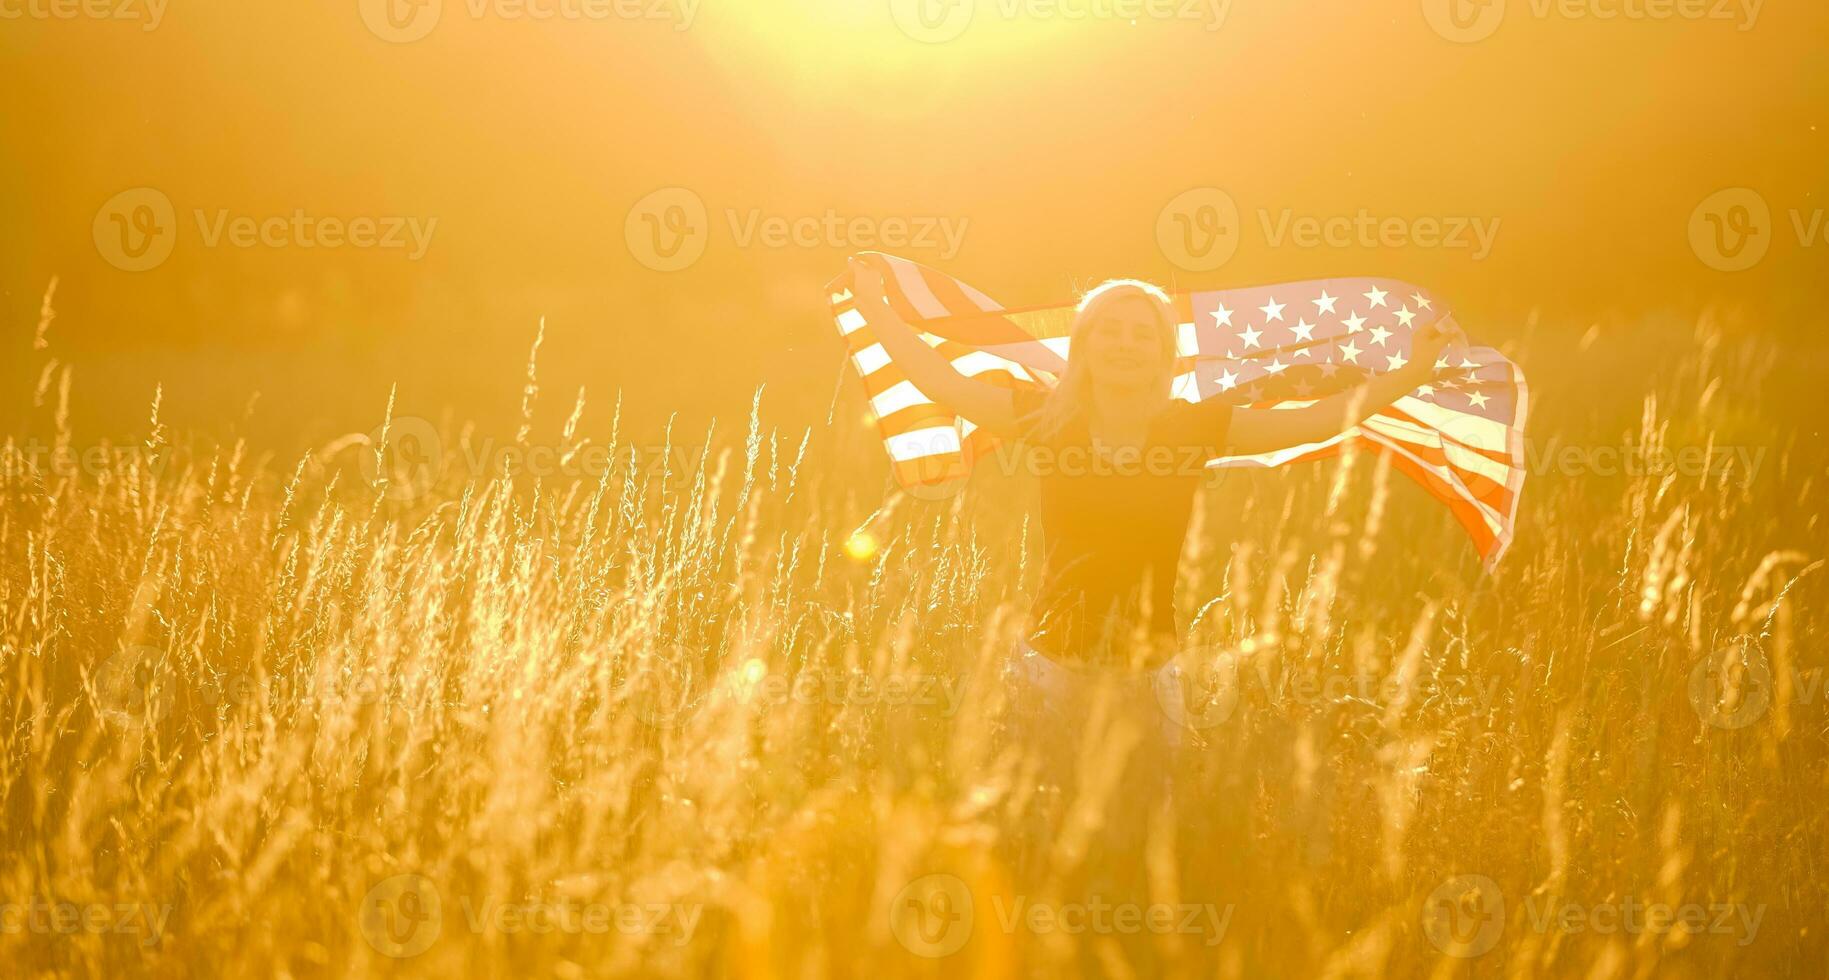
1072, 397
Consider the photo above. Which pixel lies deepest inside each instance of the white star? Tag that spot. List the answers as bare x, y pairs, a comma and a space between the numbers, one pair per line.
1478, 400
1379, 334
1222, 317
1303, 330
1425, 392
1250, 336
1422, 302
1275, 366
1354, 323
1273, 310
1300, 352
1441, 363
1404, 316
1466, 363
1350, 352
1329, 369
1303, 389
1254, 394
1325, 304
1376, 296
1397, 360
1227, 380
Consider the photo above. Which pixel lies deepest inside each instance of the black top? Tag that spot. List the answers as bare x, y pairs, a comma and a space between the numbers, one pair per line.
1113, 527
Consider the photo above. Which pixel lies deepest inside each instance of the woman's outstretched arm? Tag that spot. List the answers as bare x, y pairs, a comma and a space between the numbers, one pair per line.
985, 404
1267, 431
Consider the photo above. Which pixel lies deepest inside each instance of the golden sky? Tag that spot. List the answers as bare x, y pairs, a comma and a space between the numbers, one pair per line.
1028, 146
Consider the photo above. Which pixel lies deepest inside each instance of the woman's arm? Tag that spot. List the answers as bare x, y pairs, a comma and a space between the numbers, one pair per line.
1267, 431
985, 404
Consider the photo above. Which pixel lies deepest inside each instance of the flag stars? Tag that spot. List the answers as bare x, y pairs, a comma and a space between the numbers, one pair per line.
1276, 366
1303, 330
1422, 302
1222, 317
1329, 369
1478, 400
1325, 304
1376, 297
1228, 381
1425, 391
1354, 323
1380, 335
1397, 361
1273, 310
1250, 336
1351, 352
1404, 316
1441, 363
1304, 389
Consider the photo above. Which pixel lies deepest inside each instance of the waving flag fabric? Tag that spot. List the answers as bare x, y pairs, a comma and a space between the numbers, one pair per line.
1461, 436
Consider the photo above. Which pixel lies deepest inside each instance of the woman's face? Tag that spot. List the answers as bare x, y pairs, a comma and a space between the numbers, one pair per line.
1125, 341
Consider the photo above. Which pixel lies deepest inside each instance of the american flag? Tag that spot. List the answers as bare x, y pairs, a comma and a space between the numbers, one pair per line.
1460, 436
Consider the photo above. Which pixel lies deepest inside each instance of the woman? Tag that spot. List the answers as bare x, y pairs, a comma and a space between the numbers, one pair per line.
1119, 461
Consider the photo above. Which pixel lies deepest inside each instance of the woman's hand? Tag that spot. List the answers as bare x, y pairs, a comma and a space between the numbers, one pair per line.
1427, 344
867, 286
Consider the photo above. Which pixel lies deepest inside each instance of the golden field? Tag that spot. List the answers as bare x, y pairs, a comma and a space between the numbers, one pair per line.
642, 709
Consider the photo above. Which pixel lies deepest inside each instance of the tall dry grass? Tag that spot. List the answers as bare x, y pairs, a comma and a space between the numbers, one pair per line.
333, 716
